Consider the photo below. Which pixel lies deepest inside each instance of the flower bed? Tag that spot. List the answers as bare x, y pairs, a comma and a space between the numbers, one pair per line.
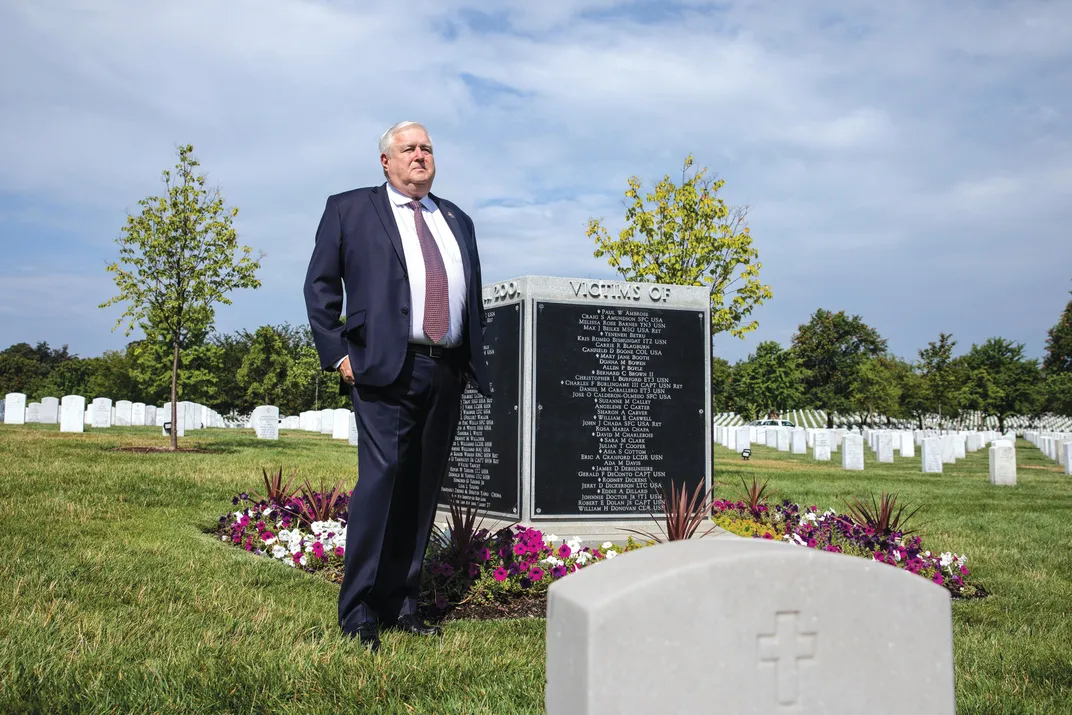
482, 574
839, 533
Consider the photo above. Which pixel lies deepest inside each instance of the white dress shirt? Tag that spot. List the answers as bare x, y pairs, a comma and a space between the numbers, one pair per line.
452, 262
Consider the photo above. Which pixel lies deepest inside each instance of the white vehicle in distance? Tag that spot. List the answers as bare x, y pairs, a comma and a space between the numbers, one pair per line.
771, 423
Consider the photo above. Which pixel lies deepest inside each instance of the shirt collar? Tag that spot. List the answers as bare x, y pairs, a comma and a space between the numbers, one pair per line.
400, 199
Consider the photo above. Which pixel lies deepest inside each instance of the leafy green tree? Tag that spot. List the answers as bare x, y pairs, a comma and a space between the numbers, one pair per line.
688, 236
771, 379
1059, 345
112, 375
877, 387
70, 377
1058, 392
20, 369
1001, 381
721, 370
200, 364
266, 367
915, 398
831, 348
941, 377
231, 349
178, 259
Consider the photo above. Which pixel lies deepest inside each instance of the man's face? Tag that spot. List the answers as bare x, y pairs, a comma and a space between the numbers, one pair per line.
409, 164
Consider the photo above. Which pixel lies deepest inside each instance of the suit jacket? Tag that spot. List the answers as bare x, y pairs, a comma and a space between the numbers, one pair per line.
358, 244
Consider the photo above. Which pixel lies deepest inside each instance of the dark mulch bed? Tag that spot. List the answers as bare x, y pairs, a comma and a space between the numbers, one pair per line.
151, 450
521, 608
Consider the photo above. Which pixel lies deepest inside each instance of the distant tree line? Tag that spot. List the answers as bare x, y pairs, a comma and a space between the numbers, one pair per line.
838, 363
273, 365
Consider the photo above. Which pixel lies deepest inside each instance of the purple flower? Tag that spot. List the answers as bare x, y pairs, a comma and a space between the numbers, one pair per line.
484, 555
441, 602
474, 570
558, 572
265, 535
339, 551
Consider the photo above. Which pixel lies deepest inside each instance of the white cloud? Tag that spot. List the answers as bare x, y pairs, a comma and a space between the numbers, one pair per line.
875, 143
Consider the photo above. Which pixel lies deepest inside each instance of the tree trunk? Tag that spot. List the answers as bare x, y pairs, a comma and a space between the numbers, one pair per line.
830, 420
1001, 423
174, 398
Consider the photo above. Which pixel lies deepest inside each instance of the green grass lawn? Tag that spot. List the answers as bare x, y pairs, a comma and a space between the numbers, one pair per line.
115, 600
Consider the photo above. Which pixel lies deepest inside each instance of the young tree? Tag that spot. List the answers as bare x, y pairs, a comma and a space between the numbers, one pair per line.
720, 383
1001, 381
688, 236
178, 259
877, 387
940, 375
1059, 345
831, 348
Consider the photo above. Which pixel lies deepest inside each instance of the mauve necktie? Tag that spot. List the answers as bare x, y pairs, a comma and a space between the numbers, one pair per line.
436, 301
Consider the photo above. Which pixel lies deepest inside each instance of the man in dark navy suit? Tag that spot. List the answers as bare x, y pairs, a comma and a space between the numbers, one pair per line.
412, 341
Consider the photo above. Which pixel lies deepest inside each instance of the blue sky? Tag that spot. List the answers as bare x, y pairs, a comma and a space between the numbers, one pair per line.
910, 162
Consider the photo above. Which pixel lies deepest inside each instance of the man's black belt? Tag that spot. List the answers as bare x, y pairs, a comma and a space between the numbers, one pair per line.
436, 352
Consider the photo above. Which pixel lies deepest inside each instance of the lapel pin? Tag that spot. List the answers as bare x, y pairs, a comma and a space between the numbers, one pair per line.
449, 214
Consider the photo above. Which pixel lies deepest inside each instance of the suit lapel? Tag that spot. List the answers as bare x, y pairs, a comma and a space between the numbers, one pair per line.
382, 202
460, 234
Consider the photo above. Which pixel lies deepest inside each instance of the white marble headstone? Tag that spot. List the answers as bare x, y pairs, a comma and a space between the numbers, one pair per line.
884, 447
33, 413
783, 439
931, 455
123, 409
72, 414
137, 414
50, 410
1003, 464
744, 439
908, 445
266, 422
102, 413
327, 421
799, 441
745, 626
820, 450
340, 424
852, 452
351, 438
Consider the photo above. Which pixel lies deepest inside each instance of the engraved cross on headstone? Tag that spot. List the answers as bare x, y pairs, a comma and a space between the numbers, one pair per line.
784, 648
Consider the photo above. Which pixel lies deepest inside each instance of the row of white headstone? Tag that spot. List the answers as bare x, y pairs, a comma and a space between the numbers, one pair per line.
1055, 445
73, 414
936, 448
339, 423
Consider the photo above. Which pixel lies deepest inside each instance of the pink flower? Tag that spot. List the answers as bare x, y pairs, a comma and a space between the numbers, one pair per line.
520, 549
501, 574
536, 573
297, 558
564, 551
267, 535
937, 578
318, 550
484, 555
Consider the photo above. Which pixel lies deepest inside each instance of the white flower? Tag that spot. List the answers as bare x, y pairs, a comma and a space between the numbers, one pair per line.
552, 538
295, 547
267, 512
302, 560
553, 561
574, 545
945, 559
223, 538
278, 551
289, 562
284, 535
583, 557
269, 542
611, 553
606, 545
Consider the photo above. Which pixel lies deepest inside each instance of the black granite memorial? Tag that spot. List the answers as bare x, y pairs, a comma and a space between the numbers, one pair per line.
484, 471
600, 399
619, 407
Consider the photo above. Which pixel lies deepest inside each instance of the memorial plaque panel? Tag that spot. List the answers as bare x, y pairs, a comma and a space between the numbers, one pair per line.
484, 470
620, 407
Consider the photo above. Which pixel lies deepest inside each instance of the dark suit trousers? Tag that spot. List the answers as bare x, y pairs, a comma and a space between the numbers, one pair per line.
405, 432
